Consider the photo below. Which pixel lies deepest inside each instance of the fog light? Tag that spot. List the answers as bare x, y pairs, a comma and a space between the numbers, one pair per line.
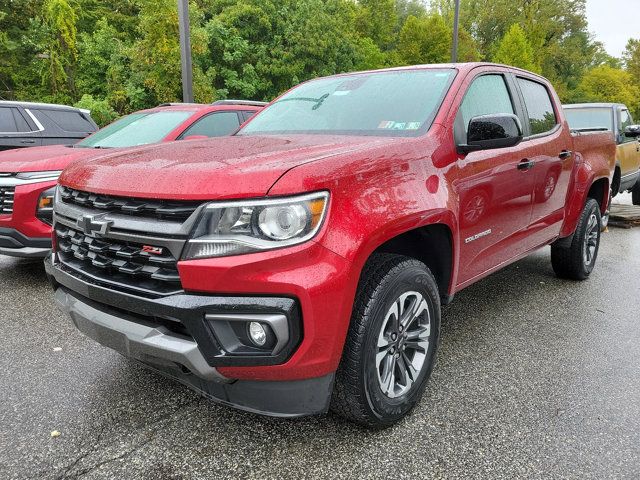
257, 334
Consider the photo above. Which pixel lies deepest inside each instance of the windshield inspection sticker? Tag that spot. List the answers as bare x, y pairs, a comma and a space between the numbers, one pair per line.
386, 124
413, 125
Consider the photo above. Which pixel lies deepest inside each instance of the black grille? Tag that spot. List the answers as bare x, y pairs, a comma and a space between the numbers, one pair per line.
6, 200
123, 265
159, 209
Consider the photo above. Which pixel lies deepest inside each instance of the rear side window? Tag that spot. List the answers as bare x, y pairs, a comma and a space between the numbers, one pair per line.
68, 120
7, 121
247, 115
589, 117
542, 117
21, 123
487, 95
214, 125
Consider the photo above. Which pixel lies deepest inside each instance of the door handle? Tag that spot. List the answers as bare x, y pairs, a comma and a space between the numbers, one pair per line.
565, 154
526, 164
27, 141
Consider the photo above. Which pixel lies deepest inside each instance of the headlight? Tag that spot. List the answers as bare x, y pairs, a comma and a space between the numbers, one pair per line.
45, 206
234, 228
48, 175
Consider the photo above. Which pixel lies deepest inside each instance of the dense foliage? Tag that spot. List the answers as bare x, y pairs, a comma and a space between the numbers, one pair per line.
123, 55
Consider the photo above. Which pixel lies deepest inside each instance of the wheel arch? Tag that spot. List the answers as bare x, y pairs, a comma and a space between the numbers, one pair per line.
433, 244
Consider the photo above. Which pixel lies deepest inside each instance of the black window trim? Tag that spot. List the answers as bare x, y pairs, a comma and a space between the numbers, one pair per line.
527, 122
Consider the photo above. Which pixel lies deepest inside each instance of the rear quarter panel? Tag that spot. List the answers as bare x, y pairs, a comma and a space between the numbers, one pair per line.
595, 155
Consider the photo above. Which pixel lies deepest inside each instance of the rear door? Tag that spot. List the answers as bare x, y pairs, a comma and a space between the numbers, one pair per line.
628, 151
493, 188
16, 130
548, 145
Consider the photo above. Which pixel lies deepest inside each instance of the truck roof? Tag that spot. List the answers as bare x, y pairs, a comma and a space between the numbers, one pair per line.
50, 106
594, 105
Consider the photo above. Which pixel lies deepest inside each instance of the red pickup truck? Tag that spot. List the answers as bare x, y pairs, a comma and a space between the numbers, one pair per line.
301, 264
28, 176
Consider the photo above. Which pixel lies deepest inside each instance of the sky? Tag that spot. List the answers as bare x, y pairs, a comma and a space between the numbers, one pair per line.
614, 22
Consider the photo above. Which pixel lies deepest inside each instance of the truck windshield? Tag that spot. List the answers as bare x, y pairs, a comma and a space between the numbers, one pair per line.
393, 103
590, 118
136, 129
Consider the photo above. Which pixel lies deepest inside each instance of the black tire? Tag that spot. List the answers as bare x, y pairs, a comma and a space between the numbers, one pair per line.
572, 261
635, 193
358, 394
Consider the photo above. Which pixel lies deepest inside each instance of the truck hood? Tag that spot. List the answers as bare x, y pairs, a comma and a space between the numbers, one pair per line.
221, 168
41, 159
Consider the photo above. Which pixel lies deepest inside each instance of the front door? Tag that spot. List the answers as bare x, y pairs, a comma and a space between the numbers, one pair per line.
494, 187
628, 152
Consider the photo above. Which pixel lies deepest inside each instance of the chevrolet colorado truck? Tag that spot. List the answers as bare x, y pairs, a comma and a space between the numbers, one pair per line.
616, 119
28, 176
301, 264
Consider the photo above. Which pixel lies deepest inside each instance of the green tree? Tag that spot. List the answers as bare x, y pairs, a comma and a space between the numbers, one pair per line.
61, 50
608, 84
377, 20
100, 109
631, 58
514, 49
424, 40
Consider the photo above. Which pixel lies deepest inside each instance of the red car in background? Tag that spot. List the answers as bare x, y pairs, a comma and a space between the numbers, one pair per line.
28, 176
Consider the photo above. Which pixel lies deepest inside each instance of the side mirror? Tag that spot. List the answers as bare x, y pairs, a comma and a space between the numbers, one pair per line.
487, 132
195, 137
632, 131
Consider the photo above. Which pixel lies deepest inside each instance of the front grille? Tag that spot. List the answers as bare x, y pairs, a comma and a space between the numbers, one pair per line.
122, 265
6, 200
158, 209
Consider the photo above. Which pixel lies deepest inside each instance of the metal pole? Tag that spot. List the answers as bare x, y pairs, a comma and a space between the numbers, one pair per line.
185, 51
456, 22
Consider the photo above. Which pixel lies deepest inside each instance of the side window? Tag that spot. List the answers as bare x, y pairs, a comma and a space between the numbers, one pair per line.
69, 120
7, 121
246, 115
21, 123
542, 117
487, 95
625, 121
214, 125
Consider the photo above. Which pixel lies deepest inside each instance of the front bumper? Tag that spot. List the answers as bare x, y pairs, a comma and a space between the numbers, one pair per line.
15, 244
22, 234
179, 358
173, 335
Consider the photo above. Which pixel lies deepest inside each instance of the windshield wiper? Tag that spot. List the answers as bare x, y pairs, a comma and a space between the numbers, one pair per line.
317, 101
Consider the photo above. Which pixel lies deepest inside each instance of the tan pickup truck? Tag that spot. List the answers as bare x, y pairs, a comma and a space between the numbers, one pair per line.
616, 118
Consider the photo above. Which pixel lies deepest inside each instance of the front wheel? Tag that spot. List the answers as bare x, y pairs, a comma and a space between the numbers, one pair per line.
577, 260
391, 344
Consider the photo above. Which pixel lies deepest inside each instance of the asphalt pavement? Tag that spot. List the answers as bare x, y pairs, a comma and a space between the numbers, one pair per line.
536, 378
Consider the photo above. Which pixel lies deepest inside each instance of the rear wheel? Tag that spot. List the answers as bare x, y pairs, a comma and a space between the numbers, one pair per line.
577, 260
391, 344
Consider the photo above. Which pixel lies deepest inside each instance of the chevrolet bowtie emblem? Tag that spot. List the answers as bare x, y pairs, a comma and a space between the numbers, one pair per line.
90, 226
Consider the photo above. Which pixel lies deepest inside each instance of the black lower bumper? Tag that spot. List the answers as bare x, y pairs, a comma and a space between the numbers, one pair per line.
16, 244
172, 335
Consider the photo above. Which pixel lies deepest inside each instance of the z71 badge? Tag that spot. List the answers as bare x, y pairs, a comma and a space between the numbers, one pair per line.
152, 250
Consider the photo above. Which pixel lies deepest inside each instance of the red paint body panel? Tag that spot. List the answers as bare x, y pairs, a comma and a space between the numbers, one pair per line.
380, 188
59, 157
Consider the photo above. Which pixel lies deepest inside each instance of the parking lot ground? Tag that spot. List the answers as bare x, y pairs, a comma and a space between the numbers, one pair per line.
536, 378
